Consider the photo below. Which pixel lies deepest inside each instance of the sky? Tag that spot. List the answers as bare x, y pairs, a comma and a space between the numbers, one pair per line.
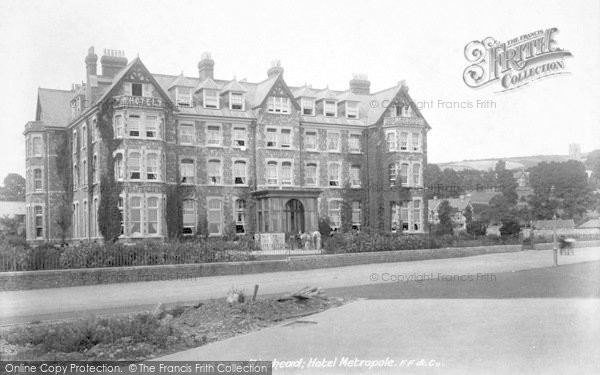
323, 43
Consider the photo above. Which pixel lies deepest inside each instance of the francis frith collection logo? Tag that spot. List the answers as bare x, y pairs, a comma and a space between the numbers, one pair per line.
514, 63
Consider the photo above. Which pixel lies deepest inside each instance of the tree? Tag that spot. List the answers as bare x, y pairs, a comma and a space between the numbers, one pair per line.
506, 183
445, 212
443, 184
14, 188
560, 188
593, 163
468, 214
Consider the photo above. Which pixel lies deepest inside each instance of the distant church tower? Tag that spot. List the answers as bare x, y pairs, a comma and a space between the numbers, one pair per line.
574, 151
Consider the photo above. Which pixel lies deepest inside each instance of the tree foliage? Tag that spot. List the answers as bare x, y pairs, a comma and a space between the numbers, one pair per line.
445, 213
560, 188
13, 189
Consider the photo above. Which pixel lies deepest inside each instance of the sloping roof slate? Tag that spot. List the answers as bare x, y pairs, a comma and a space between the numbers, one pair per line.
54, 107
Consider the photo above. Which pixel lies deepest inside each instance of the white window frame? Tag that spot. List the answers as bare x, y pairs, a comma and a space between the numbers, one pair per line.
138, 122
141, 215
119, 126
214, 99
147, 222
307, 103
84, 172
240, 215
184, 167
220, 210
278, 105
336, 182
287, 180
404, 141
83, 137
75, 139
316, 137
119, 167
306, 175
417, 147
244, 176
237, 139
356, 211
94, 167
211, 142
272, 137
288, 142
39, 180
38, 226
184, 128
391, 140
328, 105
190, 214
339, 141
270, 179
351, 149
153, 170
134, 168
412, 215
241, 101
352, 110
400, 174
335, 224
40, 149
355, 181
417, 177
151, 126
214, 178
182, 98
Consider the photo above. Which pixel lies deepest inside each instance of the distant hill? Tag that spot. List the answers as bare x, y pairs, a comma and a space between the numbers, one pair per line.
517, 162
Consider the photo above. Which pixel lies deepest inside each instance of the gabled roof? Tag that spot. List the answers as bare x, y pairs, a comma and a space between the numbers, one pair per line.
458, 203
119, 77
207, 84
54, 107
592, 223
233, 86
182, 81
348, 96
549, 224
264, 88
12, 208
304, 91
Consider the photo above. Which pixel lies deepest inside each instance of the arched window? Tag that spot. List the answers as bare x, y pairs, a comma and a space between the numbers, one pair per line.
272, 177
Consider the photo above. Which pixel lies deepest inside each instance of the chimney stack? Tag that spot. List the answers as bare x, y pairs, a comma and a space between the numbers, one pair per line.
91, 61
275, 69
360, 84
206, 67
113, 61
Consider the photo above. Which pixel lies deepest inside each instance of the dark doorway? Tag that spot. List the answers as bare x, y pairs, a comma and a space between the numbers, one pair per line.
294, 217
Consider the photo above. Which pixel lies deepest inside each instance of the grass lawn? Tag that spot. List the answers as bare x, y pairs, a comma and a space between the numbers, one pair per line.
568, 281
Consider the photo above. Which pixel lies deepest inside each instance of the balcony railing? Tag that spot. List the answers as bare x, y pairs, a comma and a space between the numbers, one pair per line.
391, 121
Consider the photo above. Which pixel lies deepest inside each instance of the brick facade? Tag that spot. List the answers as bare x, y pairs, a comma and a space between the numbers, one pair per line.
262, 154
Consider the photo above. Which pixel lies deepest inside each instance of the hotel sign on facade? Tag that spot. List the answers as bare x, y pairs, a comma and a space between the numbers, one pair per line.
137, 101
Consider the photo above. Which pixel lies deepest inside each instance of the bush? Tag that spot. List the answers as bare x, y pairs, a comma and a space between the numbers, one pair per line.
82, 335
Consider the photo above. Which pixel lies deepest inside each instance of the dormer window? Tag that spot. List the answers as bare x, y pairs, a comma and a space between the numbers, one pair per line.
236, 101
211, 98
308, 106
351, 110
330, 108
183, 96
278, 104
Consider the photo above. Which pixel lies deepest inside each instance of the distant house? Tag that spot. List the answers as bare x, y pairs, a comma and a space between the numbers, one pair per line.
459, 204
522, 178
481, 197
590, 224
13, 209
549, 224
